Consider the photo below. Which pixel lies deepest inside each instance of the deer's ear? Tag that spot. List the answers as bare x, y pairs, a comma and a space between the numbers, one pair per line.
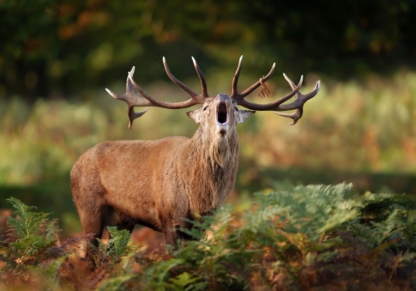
243, 115
195, 115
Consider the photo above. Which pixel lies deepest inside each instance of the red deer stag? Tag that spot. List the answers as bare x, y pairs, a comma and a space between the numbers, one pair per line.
159, 183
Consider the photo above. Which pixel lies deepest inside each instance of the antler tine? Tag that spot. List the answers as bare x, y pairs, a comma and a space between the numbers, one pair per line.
199, 98
271, 106
295, 116
258, 83
131, 99
310, 94
201, 79
239, 96
234, 92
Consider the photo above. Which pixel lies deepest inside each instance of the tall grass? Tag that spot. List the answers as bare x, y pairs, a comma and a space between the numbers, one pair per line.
348, 126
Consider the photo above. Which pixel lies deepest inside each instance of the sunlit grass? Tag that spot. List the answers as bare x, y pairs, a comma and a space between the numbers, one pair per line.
347, 126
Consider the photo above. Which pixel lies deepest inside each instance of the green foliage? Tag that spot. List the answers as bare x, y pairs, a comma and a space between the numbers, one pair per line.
30, 235
113, 284
315, 208
157, 275
387, 219
49, 274
185, 281
296, 238
292, 238
116, 247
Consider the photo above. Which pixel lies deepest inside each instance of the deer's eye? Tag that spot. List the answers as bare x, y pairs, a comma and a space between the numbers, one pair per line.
236, 108
205, 108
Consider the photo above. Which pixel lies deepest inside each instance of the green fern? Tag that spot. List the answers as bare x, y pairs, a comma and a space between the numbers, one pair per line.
292, 238
116, 247
187, 282
49, 274
289, 233
29, 236
113, 284
118, 244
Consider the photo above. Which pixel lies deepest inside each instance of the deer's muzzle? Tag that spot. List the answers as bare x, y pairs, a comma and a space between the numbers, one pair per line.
222, 113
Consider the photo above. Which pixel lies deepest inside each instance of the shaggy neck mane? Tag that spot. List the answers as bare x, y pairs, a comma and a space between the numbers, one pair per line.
215, 153
212, 165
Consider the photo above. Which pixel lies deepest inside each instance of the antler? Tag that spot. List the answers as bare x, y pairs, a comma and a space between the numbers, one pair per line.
134, 100
278, 105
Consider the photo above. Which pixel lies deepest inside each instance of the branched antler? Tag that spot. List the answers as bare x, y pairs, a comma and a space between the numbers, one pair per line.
278, 105
147, 100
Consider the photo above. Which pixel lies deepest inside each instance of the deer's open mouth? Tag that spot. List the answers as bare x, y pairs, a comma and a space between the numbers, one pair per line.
222, 113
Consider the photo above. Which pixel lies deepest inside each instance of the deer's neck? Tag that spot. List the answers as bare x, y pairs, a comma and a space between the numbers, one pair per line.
212, 163
215, 152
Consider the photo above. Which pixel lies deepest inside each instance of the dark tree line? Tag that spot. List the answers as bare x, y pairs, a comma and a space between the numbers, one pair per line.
50, 48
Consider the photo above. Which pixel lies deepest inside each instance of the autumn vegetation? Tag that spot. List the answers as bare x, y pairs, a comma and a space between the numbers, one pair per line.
296, 238
327, 204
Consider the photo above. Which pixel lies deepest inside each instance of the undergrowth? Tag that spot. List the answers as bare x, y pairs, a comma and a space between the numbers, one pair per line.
293, 238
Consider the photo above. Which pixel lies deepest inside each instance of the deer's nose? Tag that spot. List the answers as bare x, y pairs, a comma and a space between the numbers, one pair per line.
223, 97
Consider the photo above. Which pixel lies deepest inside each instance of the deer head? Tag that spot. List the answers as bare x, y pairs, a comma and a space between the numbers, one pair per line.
219, 115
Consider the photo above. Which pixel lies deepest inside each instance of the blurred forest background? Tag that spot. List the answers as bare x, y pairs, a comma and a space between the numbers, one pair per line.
56, 58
